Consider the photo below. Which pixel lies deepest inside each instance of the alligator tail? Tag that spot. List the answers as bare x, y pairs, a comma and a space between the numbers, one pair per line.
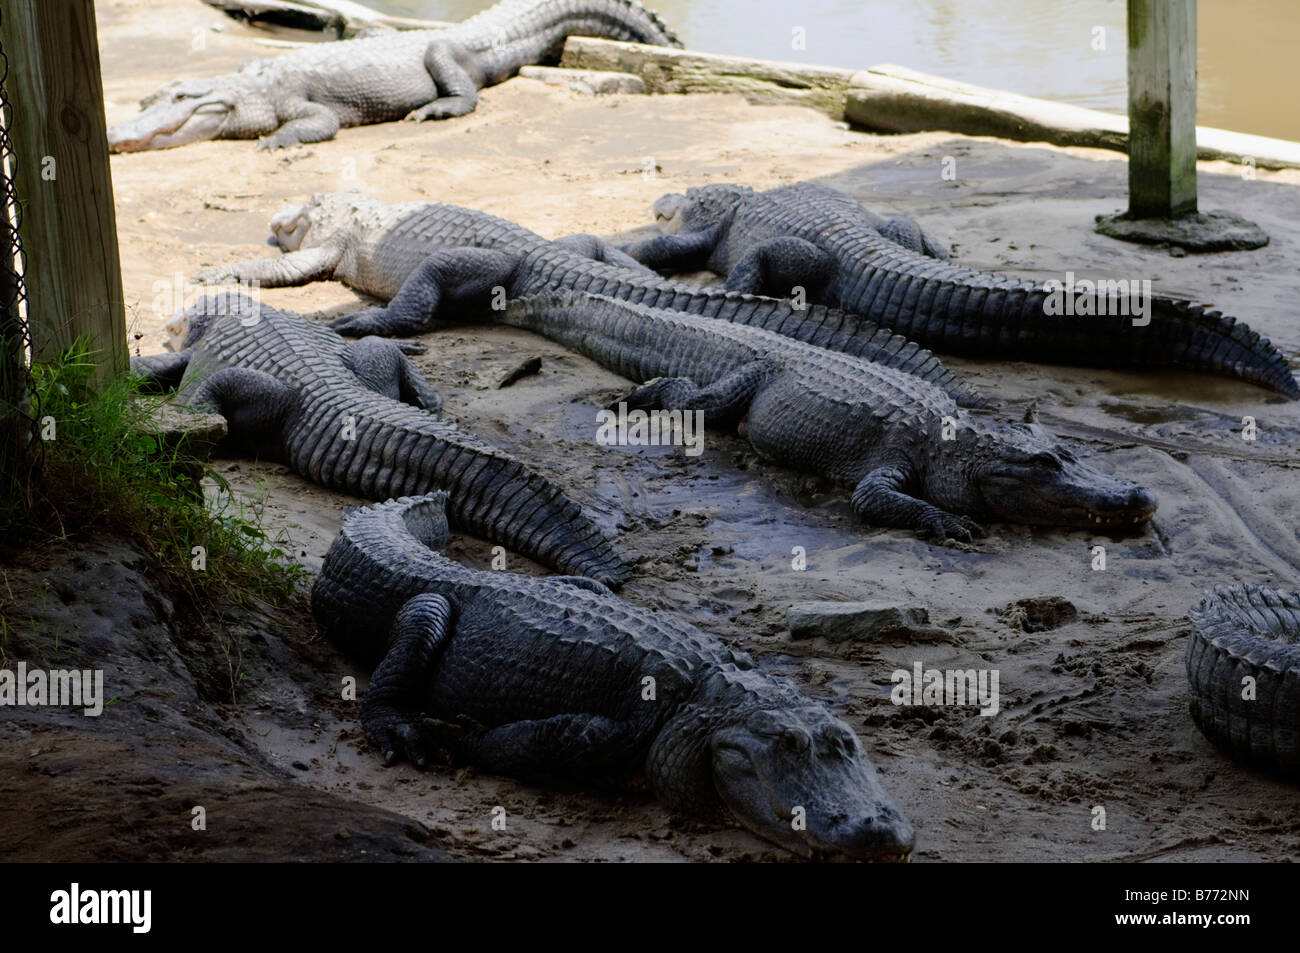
959, 311
399, 451
1241, 633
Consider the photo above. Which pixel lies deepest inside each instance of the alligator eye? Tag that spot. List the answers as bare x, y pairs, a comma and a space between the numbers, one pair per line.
1045, 460
797, 741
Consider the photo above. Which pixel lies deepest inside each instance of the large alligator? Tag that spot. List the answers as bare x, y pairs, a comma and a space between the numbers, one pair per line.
357, 417
822, 241
415, 255
308, 94
559, 676
913, 460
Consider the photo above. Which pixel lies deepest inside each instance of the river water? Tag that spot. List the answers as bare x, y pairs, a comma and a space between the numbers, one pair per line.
1066, 50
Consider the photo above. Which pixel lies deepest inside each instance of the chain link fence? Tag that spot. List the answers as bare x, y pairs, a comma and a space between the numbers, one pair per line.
18, 417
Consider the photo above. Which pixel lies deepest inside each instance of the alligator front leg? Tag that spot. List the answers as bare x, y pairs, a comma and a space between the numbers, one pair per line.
391, 710
879, 499
461, 275
299, 267
567, 744
669, 254
456, 73
381, 366
724, 402
161, 372
308, 122
777, 266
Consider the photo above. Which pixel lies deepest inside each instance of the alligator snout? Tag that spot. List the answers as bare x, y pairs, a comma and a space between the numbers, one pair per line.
887, 836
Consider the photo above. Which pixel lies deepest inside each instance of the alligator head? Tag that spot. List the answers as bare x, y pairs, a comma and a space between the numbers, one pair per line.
1020, 474
323, 217
787, 770
700, 209
228, 107
800, 778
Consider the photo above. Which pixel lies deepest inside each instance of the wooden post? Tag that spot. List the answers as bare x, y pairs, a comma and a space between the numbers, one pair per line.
69, 233
1162, 108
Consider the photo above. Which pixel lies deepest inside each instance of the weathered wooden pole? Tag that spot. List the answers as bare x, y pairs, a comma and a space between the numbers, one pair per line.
1162, 108
69, 233
1162, 139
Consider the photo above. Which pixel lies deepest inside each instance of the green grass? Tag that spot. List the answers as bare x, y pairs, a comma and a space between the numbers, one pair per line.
105, 471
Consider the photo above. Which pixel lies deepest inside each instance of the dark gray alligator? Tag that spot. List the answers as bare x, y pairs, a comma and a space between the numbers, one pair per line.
421, 256
307, 94
914, 461
357, 417
559, 676
1243, 667
892, 273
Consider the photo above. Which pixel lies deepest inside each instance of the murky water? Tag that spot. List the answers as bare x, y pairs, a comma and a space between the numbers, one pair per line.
1067, 50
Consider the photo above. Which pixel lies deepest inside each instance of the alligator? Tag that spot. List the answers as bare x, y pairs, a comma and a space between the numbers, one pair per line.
528, 676
306, 95
357, 417
912, 458
893, 273
413, 255
1247, 636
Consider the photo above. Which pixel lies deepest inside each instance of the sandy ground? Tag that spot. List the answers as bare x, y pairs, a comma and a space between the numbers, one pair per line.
1093, 713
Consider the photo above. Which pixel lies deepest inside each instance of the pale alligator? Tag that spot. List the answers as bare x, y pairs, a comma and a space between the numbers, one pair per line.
357, 417
308, 94
421, 256
912, 458
815, 238
558, 676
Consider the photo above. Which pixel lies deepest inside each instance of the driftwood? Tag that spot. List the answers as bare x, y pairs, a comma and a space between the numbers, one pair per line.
342, 17
896, 99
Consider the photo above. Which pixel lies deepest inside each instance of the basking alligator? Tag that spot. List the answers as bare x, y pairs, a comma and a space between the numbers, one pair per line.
813, 237
559, 676
306, 95
357, 417
913, 459
415, 255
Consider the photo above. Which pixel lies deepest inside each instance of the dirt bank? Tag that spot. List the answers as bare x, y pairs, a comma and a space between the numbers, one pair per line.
1093, 713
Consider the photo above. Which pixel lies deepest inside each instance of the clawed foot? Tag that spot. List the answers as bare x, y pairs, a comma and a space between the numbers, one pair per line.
363, 322
942, 527
409, 736
216, 275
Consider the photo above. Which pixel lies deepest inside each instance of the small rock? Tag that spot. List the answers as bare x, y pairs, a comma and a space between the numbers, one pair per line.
1038, 614
841, 621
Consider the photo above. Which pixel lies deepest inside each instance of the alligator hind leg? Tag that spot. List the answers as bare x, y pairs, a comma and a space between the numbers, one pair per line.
381, 366
879, 499
456, 74
724, 402
908, 233
463, 275
668, 254
253, 402
779, 265
597, 249
567, 744
390, 711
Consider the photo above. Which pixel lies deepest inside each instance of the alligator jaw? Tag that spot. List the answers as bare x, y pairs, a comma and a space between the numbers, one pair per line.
171, 124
